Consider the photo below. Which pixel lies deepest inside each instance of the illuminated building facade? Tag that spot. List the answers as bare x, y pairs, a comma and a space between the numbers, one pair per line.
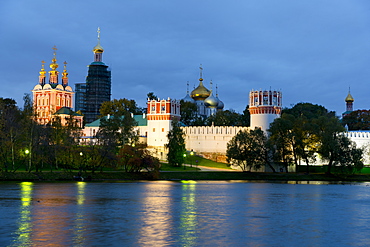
50, 96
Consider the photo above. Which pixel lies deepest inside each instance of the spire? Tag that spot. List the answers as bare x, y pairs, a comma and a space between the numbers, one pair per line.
98, 49
201, 73
42, 75
349, 101
65, 75
187, 87
53, 73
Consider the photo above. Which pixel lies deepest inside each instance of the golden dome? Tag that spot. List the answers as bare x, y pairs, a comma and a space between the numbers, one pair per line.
349, 98
98, 48
201, 92
42, 71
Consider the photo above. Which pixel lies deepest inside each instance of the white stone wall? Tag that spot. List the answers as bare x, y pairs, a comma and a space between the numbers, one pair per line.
362, 140
209, 139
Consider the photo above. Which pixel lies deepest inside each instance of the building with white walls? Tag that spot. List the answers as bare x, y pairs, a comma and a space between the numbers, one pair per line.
264, 107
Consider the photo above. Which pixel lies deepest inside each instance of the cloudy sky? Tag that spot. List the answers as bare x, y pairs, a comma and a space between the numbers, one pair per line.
311, 50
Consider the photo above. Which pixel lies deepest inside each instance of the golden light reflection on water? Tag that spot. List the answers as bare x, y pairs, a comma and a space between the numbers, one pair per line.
24, 226
80, 221
188, 219
156, 216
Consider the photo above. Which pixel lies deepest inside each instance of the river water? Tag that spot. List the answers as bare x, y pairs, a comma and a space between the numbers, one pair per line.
184, 213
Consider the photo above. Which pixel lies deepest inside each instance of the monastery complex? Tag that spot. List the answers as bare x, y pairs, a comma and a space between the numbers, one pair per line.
54, 99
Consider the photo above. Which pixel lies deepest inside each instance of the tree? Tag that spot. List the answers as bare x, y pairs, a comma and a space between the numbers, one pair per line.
226, 118
188, 112
152, 96
176, 145
10, 135
248, 150
350, 157
357, 120
305, 131
282, 141
135, 158
117, 128
119, 106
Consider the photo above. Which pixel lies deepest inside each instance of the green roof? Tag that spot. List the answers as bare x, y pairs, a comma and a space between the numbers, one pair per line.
66, 111
141, 121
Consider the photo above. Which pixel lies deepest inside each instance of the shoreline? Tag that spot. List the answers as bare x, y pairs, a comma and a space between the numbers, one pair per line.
176, 176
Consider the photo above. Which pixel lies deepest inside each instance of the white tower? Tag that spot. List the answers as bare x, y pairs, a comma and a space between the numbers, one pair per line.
264, 107
160, 115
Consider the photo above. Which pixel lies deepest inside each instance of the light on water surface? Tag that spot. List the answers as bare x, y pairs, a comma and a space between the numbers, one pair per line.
185, 213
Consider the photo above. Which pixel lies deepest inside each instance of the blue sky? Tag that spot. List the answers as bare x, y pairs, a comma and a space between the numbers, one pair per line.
312, 51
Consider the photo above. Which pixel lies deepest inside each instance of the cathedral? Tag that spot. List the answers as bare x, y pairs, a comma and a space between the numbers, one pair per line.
207, 103
52, 99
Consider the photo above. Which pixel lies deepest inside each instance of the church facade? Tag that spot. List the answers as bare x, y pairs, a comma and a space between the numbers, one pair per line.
52, 99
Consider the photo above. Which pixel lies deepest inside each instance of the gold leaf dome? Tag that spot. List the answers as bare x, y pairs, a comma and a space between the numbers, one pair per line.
349, 98
201, 92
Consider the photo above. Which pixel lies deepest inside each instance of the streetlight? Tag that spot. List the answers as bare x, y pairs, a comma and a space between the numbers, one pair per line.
184, 160
191, 159
27, 152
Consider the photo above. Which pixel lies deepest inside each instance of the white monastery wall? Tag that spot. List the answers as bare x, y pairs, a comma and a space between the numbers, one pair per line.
209, 139
362, 140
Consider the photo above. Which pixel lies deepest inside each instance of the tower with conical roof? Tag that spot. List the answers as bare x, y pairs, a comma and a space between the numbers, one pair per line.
52, 97
98, 85
349, 104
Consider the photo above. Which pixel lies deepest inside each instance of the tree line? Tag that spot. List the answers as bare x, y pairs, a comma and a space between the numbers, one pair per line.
304, 134
25, 144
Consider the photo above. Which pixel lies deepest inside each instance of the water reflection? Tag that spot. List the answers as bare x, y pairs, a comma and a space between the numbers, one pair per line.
79, 224
24, 230
188, 214
156, 216
184, 214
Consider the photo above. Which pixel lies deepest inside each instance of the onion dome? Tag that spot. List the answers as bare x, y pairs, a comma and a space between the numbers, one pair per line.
187, 98
201, 92
211, 101
98, 48
220, 105
349, 98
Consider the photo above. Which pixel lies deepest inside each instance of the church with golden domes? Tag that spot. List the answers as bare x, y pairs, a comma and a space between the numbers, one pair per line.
207, 103
52, 99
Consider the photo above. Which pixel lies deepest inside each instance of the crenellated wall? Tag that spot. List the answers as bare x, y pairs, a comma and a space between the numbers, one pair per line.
210, 139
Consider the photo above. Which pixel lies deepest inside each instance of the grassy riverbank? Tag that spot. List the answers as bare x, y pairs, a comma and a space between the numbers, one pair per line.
182, 175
